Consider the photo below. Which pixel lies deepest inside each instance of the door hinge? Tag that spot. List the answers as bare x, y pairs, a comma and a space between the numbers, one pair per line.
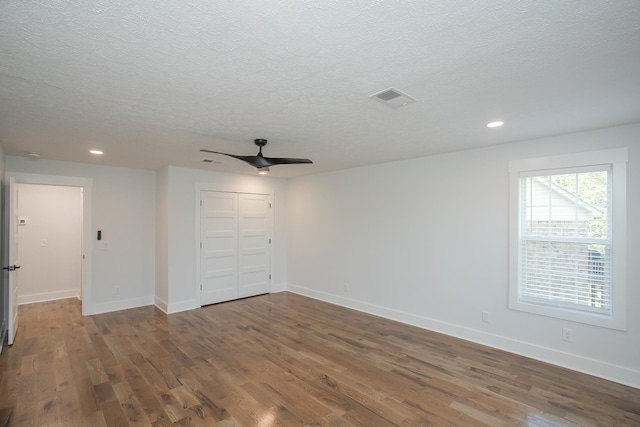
269, 277
200, 287
269, 241
200, 245
200, 202
269, 205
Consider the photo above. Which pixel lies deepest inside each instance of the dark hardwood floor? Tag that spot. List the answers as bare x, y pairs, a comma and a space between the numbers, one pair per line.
280, 360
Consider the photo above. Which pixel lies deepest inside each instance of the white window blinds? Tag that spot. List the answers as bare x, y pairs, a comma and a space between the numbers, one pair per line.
564, 239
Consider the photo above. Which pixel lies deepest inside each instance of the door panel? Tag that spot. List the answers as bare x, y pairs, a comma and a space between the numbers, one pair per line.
219, 252
13, 262
254, 210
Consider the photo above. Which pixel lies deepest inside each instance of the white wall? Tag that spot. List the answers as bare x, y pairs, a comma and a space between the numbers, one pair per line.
162, 239
425, 241
182, 277
123, 207
50, 243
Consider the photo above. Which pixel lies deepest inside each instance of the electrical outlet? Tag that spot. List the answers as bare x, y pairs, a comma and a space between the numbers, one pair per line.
486, 317
567, 334
116, 291
346, 287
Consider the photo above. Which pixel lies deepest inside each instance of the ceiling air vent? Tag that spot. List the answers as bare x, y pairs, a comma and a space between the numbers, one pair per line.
393, 98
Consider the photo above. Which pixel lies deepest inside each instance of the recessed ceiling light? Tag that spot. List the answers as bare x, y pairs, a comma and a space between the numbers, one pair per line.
495, 124
96, 152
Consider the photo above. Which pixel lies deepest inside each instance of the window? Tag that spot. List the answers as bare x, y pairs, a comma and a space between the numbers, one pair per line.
567, 237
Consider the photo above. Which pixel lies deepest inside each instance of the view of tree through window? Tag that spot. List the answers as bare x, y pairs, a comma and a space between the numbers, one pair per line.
591, 188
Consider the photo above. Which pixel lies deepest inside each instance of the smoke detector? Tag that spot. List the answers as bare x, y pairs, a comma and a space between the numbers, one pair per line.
393, 98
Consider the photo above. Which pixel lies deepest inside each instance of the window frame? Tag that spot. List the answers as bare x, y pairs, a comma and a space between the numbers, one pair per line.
616, 159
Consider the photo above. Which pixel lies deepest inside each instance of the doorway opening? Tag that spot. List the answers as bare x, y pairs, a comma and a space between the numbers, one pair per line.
49, 242
83, 186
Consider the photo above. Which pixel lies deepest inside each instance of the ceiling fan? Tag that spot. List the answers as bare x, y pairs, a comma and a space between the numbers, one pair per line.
261, 162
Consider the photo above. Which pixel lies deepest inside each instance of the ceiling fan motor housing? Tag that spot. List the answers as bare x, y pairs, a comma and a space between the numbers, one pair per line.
260, 142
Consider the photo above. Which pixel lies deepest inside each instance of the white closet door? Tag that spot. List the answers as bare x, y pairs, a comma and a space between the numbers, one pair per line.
254, 243
235, 231
219, 252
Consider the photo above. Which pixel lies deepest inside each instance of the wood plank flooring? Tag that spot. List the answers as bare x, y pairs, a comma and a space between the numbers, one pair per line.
280, 360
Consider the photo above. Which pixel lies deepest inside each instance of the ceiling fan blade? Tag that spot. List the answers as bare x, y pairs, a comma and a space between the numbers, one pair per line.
285, 161
217, 152
255, 161
259, 161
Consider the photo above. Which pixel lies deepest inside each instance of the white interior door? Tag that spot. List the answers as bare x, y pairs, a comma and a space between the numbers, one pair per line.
235, 245
13, 265
254, 243
219, 247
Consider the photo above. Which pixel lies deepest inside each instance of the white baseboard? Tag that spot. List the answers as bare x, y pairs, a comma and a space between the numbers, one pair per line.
110, 306
161, 304
48, 296
170, 308
280, 287
574, 362
167, 308
179, 306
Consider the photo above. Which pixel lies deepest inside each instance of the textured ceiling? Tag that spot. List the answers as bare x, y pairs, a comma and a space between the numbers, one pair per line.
152, 81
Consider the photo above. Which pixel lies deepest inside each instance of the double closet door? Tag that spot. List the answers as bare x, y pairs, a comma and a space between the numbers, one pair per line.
235, 245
